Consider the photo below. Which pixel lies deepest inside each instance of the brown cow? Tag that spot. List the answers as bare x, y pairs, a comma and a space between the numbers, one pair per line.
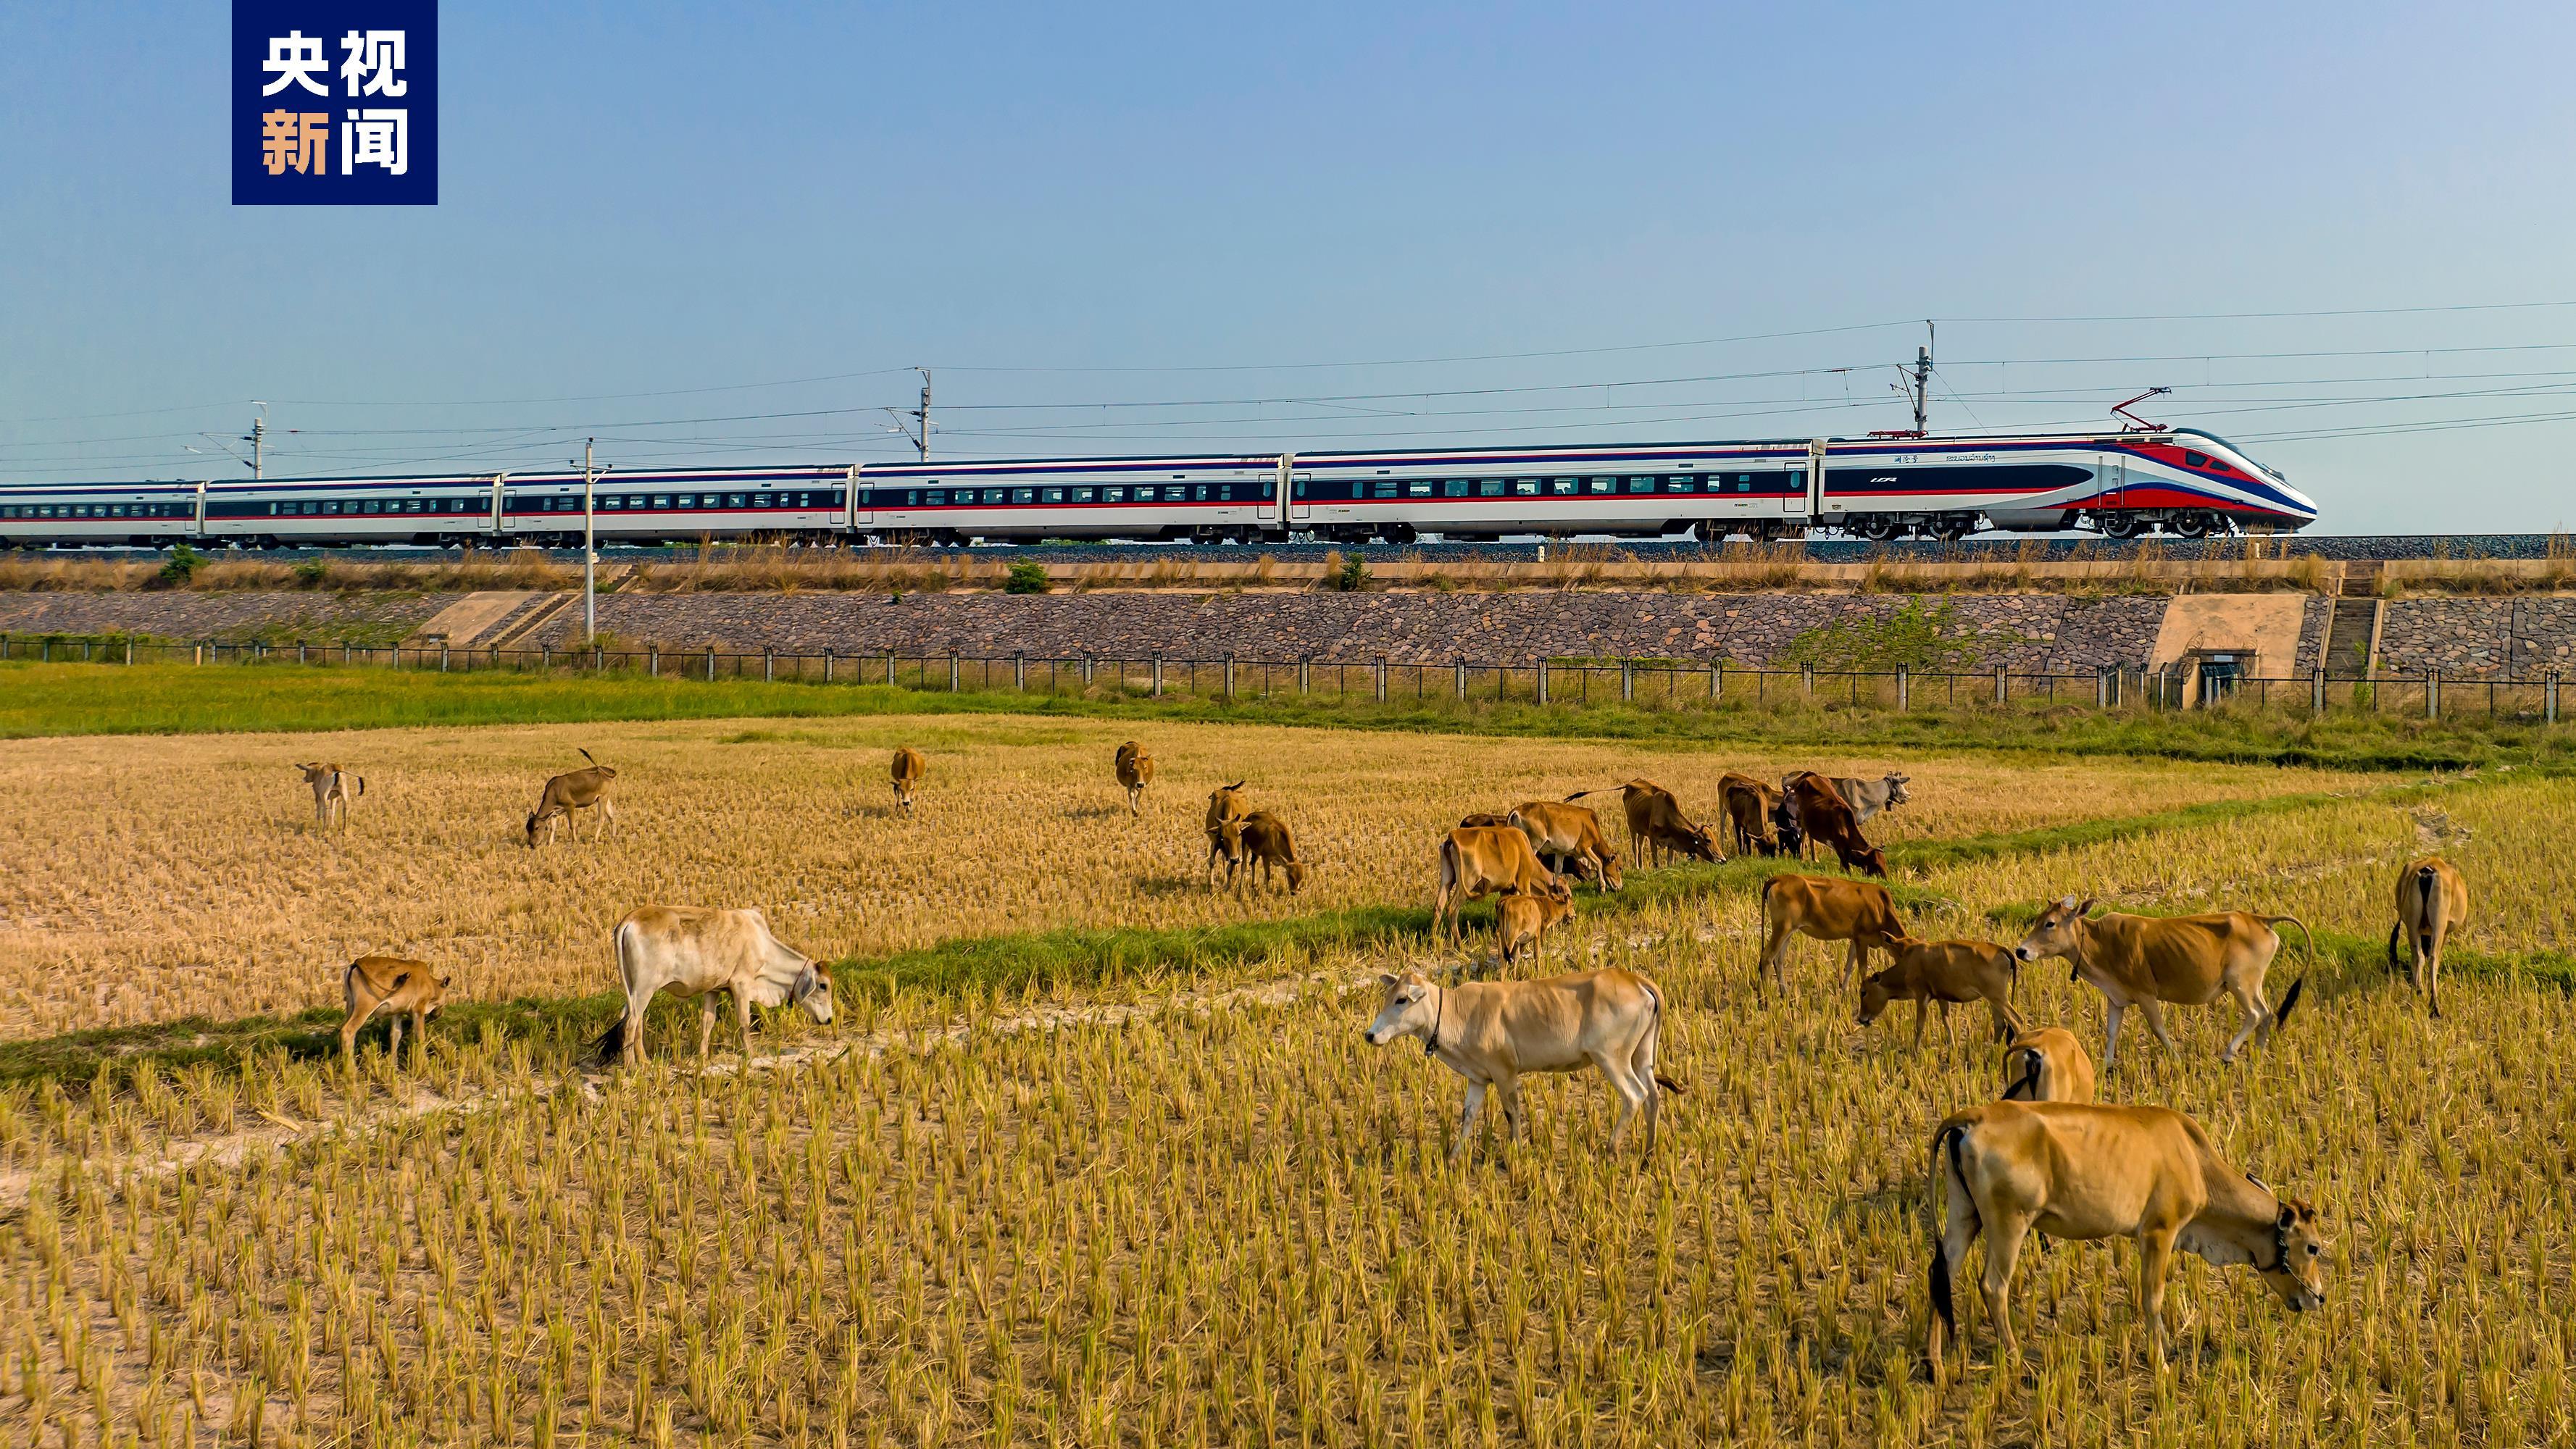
1656, 822
1135, 767
1225, 803
2145, 961
2047, 1065
1826, 908
906, 770
1946, 972
331, 793
2079, 1171
1521, 919
1494, 1032
1750, 809
1569, 838
389, 984
2432, 901
1822, 815
1480, 860
577, 790
1261, 839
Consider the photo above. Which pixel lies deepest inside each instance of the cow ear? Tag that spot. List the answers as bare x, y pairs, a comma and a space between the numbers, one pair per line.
2066, 903
1385, 980
2289, 1215
2087, 908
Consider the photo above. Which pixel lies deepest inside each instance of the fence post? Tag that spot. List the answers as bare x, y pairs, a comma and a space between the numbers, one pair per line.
598, 656
1627, 680
1087, 663
1020, 672
1904, 688
653, 660
2432, 694
769, 664
889, 671
828, 652
2548, 697
545, 658
2317, 691
952, 671
1542, 679
1999, 686
1303, 666
1229, 674
711, 664
1158, 676
1380, 682
301, 656
1462, 681
2101, 688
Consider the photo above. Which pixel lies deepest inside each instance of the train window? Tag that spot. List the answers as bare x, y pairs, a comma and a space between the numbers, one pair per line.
1270, 489
1115, 495
1605, 485
1300, 489
1199, 493
330, 505
1418, 490
1490, 488
1565, 485
938, 497
1641, 485
1525, 487
1055, 495
1681, 483
732, 500
1383, 490
1456, 488
1743, 482
2195, 460
1085, 495
1225, 492
1024, 495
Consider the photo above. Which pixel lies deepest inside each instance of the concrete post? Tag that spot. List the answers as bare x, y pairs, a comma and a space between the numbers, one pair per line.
1542, 681
301, 654
1380, 672
653, 660
1303, 668
889, 671
769, 664
1462, 681
2317, 691
1020, 672
1229, 676
1999, 686
1627, 680
1158, 676
442, 657
2432, 694
1807, 680
545, 657
828, 652
952, 671
1904, 688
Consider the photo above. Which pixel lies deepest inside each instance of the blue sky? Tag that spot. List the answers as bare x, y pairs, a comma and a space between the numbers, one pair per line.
1055, 206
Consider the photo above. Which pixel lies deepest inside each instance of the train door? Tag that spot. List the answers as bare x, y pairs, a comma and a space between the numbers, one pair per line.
1301, 506
860, 515
1284, 487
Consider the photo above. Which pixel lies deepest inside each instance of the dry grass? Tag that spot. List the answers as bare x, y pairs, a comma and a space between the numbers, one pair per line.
153, 878
1236, 1226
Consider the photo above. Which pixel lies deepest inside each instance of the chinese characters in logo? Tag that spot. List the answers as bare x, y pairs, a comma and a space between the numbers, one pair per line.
376, 144
372, 137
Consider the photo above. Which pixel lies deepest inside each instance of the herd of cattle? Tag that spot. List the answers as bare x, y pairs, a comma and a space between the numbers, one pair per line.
2044, 1157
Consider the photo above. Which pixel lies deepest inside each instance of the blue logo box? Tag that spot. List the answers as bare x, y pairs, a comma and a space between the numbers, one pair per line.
335, 102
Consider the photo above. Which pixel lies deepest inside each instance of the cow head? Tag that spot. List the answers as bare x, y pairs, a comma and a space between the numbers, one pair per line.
811, 988
1296, 875
1610, 879
1696, 842
1225, 803
1866, 858
535, 818
2295, 1267
1411, 1008
2053, 934
1483, 820
1784, 824
1875, 993
1896, 792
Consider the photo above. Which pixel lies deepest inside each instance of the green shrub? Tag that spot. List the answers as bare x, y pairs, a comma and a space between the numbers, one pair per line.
1352, 576
312, 573
1028, 576
181, 566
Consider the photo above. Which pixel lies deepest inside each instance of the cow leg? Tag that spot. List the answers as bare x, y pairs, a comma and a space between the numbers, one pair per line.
1641, 1065
1775, 950
1922, 1014
1467, 1119
2111, 1038
706, 1026
2155, 1260
742, 1017
2256, 1014
2155, 1011
2431, 952
1857, 963
356, 1022
393, 1048
1513, 1115
1949, 1034
419, 1032
1960, 1226
635, 1009
1615, 1066
608, 813
2003, 1251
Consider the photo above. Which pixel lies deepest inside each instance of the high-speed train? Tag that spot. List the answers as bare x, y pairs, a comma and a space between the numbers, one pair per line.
2179, 481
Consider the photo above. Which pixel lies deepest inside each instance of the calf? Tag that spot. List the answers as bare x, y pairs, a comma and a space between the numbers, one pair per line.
2047, 1065
1821, 815
564, 794
1261, 839
1569, 838
2432, 901
331, 793
1946, 972
1521, 919
1476, 861
691, 951
1826, 908
2145, 961
389, 984
906, 770
1656, 823
1495, 1032
1225, 803
1752, 810
1135, 768
2079, 1171
1868, 797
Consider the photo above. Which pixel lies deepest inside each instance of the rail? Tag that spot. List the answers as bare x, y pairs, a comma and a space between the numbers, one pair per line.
1574, 683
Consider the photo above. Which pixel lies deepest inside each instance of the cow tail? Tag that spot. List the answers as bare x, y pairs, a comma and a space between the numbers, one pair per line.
1947, 1141
2289, 1003
587, 755
2282, 1016
1655, 1004
2026, 1086
2395, 933
2426, 926
362, 785
1579, 794
612, 1043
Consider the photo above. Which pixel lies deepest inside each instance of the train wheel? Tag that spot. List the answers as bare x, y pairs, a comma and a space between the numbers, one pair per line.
2190, 525
2118, 525
1876, 527
1951, 528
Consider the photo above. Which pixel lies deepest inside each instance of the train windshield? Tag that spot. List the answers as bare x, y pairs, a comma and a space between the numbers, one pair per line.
2235, 453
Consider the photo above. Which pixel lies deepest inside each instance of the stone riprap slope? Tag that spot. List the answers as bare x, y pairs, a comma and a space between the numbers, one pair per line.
364, 617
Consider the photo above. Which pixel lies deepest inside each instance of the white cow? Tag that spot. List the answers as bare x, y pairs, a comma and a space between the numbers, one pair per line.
693, 951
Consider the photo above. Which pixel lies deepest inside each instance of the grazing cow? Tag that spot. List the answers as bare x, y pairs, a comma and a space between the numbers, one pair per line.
906, 770
1476, 861
1261, 839
331, 793
2145, 961
1826, 908
1494, 1032
579, 790
2047, 1065
694, 951
1946, 972
1225, 803
1656, 822
1135, 766
1819, 813
1521, 919
1486, 820
2080, 1171
394, 985
1570, 839
1868, 797
2432, 901
1752, 810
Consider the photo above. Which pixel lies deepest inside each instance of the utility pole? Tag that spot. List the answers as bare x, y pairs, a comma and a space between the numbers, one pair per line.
258, 441
1923, 381
589, 543
917, 432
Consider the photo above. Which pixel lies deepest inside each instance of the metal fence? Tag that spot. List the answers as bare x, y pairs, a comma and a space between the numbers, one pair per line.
1660, 684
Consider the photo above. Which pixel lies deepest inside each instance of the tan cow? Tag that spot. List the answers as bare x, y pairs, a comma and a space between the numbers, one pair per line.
1478, 860
2079, 1171
566, 793
1522, 919
1656, 823
1569, 838
1495, 1032
331, 793
2047, 1065
1946, 972
1826, 908
1751, 808
1261, 839
2432, 901
1135, 767
905, 770
389, 984
1225, 804
693, 951
2145, 961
